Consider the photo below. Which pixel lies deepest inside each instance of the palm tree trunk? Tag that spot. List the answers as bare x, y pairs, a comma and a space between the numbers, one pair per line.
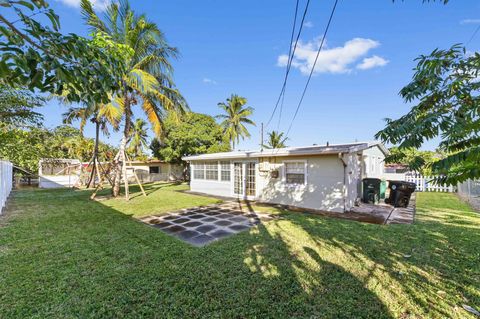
120, 162
95, 155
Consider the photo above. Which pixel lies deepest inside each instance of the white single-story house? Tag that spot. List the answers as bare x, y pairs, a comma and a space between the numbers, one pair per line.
326, 178
153, 170
58, 173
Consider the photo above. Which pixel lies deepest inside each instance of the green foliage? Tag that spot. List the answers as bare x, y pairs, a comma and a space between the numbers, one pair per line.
138, 140
236, 115
17, 107
37, 56
445, 88
275, 140
414, 159
194, 133
146, 78
25, 147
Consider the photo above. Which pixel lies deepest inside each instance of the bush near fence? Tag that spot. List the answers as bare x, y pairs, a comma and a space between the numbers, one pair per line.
6, 182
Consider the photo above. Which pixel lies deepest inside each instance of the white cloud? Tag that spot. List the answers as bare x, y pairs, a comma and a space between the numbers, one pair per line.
372, 62
470, 21
331, 60
209, 81
97, 4
308, 24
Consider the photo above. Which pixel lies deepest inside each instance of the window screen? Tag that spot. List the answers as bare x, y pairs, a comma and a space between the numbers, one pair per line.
295, 172
225, 171
199, 171
211, 171
154, 169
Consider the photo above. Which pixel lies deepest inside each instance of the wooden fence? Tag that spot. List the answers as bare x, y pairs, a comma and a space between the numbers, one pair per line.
426, 184
6, 179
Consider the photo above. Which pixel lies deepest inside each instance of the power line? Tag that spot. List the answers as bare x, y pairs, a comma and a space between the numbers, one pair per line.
290, 56
473, 35
313, 67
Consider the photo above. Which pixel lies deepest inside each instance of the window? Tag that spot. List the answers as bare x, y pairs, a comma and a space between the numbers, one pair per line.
295, 173
225, 171
211, 171
154, 169
199, 171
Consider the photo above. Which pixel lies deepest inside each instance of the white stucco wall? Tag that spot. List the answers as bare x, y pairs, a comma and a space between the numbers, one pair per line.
373, 163
216, 188
329, 185
168, 172
58, 181
324, 189
353, 179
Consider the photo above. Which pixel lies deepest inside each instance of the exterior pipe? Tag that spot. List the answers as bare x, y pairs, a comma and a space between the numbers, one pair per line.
340, 156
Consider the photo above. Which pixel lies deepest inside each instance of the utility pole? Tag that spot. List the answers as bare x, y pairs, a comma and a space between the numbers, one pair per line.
261, 138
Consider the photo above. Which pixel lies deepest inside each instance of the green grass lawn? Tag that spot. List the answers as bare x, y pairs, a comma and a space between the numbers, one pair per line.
62, 255
161, 198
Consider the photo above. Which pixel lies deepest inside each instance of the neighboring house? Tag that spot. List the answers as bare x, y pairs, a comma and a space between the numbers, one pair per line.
155, 171
396, 172
315, 177
57, 173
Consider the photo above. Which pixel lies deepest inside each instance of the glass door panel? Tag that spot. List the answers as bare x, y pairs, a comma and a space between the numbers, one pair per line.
250, 179
238, 179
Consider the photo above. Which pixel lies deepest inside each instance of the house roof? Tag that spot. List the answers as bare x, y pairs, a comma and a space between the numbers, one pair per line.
148, 161
292, 151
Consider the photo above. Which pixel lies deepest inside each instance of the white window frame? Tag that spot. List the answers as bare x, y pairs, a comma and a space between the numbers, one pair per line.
195, 165
284, 177
211, 163
220, 170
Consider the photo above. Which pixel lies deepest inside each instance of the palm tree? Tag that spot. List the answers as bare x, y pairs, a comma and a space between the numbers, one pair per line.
275, 140
147, 76
101, 115
138, 138
236, 115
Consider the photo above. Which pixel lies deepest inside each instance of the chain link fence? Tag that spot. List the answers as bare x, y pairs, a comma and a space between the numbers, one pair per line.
470, 191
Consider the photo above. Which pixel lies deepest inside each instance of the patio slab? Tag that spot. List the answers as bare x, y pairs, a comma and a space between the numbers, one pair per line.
200, 226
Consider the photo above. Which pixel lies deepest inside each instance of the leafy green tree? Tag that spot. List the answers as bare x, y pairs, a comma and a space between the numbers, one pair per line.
38, 56
25, 147
147, 76
445, 89
17, 107
236, 115
138, 139
275, 140
415, 159
101, 115
195, 133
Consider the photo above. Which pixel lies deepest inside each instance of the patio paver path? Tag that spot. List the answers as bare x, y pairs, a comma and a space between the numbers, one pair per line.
200, 226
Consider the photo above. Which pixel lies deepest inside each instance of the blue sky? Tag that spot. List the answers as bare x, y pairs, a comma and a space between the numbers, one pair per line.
237, 46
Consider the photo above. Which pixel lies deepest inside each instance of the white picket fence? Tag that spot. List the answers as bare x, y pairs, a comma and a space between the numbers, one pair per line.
6, 178
426, 184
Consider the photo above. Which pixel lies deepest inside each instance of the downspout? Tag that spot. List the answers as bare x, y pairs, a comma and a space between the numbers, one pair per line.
340, 156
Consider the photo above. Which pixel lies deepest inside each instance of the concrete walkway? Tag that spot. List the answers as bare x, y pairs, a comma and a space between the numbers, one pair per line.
383, 213
402, 215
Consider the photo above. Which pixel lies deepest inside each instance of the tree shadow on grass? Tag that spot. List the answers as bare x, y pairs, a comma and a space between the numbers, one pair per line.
434, 262
82, 258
